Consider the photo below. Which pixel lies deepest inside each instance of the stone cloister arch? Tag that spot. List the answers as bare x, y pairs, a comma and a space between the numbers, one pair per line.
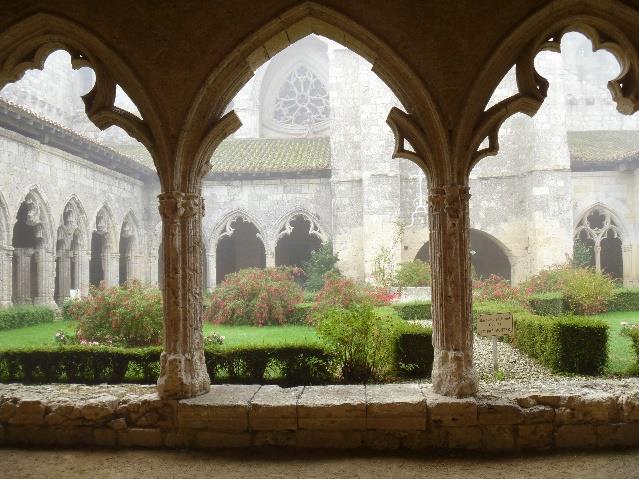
33, 252
298, 234
237, 243
103, 265
444, 136
72, 255
601, 230
6, 254
130, 250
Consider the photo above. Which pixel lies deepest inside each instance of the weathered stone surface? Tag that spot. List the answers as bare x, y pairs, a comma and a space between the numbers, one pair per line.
382, 440
67, 409
332, 408
54, 419
629, 405
277, 438
179, 439
99, 408
223, 408
7, 409
573, 436
105, 437
499, 411
274, 408
550, 400
140, 437
498, 437
534, 436
28, 411
329, 439
76, 436
219, 440
445, 411
118, 424
614, 435
395, 407
591, 409
465, 437
538, 415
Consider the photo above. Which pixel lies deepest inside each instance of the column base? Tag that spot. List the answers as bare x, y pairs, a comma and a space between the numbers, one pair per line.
454, 374
183, 375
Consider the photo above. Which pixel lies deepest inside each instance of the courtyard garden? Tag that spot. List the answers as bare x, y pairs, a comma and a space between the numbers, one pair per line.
292, 326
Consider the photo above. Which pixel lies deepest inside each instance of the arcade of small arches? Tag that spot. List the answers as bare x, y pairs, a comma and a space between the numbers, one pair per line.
446, 141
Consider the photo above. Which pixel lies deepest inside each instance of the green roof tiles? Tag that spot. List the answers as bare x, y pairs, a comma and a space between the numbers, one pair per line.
602, 149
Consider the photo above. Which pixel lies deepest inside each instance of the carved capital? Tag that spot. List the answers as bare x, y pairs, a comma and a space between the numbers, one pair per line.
176, 205
450, 199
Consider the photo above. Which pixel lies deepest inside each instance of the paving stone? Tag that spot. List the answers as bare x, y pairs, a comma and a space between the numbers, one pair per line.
223, 408
395, 407
332, 408
274, 408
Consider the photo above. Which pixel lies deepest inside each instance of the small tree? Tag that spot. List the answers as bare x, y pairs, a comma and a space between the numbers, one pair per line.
413, 273
322, 261
582, 254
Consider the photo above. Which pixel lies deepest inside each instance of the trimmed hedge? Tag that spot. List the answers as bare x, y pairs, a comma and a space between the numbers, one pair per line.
287, 365
300, 314
633, 334
415, 310
414, 352
624, 299
569, 344
21, 316
547, 304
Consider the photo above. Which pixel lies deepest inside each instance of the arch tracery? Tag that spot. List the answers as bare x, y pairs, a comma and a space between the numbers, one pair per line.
596, 228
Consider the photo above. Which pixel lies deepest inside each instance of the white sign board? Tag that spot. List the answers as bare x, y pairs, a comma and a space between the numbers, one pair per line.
495, 324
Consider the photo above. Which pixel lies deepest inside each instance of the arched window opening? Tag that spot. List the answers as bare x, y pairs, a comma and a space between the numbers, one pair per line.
101, 250
298, 238
29, 254
127, 258
424, 253
487, 257
600, 232
240, 246
68, 256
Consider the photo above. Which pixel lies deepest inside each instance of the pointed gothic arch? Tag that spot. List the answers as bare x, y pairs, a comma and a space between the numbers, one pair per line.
129, 249
298, 234
103, 263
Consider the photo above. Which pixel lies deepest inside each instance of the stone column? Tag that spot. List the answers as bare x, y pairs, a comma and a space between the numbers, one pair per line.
153, 270
45, 277
598, 257
85, 258
6, 257
63, 275
21, 272
453, 370
182, 368
630, 255
270, 258
212, 273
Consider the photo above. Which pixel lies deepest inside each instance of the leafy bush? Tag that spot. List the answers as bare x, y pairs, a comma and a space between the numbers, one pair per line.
300, 314
340, 292
414, 351
582, 254
414, 310
569, 344
587, 292
547, 304
257, 297
633, 334
413, 273
550, 280
129, 315
23, 316
624, 299
321, 262
286, 365
362, 341
495, 288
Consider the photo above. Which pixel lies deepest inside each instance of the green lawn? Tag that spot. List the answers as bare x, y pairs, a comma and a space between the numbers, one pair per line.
621, 359
35, 335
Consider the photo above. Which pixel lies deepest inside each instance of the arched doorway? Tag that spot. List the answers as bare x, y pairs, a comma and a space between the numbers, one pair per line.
240, 246
298, 238
600, 232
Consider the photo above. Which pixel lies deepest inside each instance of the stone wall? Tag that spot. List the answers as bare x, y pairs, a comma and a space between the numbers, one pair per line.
378, 417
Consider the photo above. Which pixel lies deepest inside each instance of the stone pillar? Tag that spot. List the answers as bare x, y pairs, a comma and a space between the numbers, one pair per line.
598, 257
153, 270
630, 265
182, 368
453, 370
63, 275
112, 275
85, 258
212, 273
270, 258
21, 272
45, 277
6, 257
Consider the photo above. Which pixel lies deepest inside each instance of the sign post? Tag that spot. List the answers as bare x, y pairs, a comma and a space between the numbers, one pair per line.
495, 325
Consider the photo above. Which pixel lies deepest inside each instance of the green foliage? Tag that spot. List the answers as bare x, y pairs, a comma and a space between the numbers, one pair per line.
413, 273
547, 304
582, 254
569, 344
414, 351
300, 314
633, 334
341, 292
624, 299
321, 262
415, 310
257, 297
21, 316
495, 288
362, 341
587, 292
285, 364
129, 315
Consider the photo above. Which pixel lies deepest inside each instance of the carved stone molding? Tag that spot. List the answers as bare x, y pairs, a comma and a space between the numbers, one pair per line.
313, 230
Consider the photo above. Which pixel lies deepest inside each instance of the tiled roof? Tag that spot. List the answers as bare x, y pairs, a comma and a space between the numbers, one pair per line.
239, 156
603, 149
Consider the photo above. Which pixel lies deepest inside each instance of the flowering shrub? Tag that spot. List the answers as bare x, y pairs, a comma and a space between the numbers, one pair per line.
213, 339
340, 292
496, 288
550, 280
382, 296
60, 337
587, 292
413, 273
257, 297
129, 315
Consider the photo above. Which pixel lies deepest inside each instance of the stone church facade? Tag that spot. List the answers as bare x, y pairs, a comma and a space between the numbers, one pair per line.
312, 163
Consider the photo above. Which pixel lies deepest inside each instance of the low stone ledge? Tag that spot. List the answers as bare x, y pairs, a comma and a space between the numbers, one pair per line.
445, 411
395, 407
274, 408
332, 408
497, 411
223, 408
